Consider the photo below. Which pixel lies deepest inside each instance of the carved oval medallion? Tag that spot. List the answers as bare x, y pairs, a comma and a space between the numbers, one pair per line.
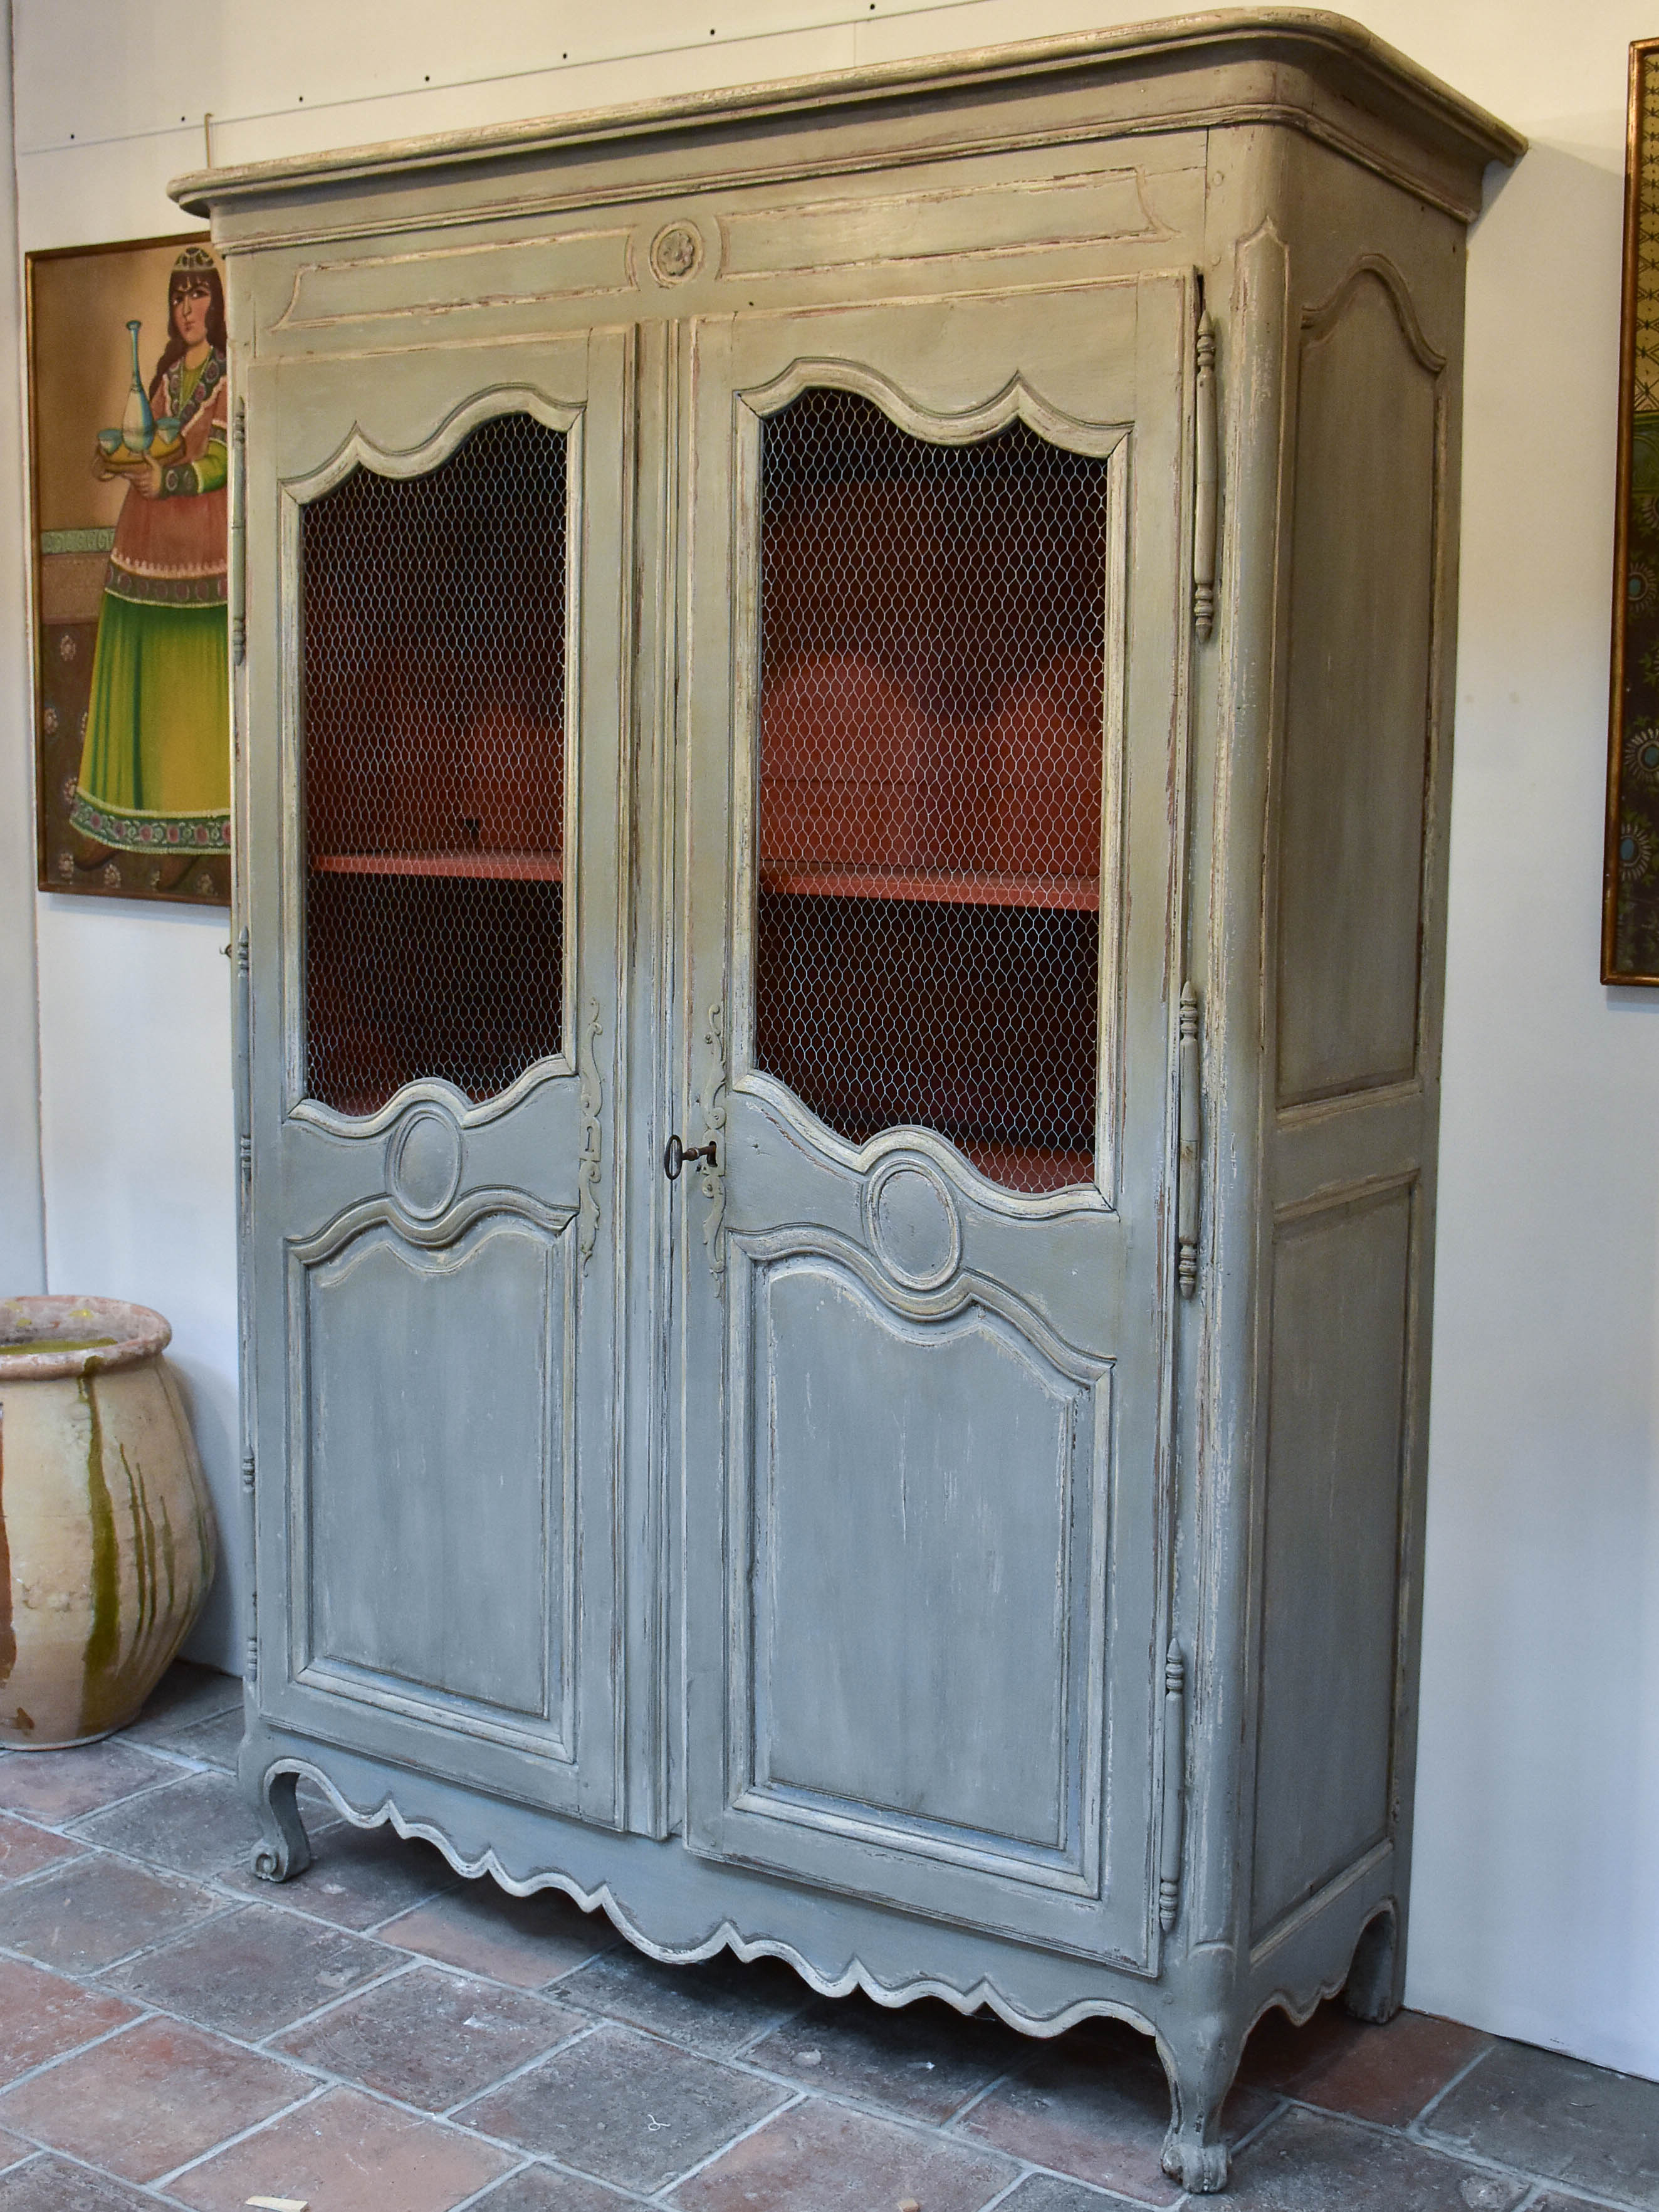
676, 253
424, 1162
914, 1228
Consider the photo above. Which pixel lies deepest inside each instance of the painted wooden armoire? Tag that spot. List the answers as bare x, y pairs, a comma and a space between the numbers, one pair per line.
843, 708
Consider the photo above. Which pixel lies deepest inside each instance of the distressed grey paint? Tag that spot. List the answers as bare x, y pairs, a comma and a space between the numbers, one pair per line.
1330, 1543
990, 1677
1355, 737
458, 1465
1078, 1278
919, 1551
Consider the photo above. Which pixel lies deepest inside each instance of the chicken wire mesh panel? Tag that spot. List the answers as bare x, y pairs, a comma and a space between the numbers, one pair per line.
434, 660
933, 668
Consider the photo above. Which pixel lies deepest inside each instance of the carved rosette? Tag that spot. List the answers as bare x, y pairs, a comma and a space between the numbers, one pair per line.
676, 252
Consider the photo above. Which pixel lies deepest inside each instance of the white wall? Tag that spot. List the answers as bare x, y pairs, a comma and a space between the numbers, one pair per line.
1537, 1900
22, 1249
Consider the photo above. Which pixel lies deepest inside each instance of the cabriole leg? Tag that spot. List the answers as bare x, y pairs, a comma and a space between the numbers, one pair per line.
1372, 1990
283, 1850
1200, 2062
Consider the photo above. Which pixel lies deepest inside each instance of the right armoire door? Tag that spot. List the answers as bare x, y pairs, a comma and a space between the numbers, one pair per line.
933, 752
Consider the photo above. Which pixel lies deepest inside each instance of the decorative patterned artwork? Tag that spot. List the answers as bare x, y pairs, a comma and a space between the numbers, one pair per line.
129, 466
1630, 926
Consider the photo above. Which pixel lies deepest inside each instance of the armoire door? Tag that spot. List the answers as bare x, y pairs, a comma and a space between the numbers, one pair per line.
933, 777
435, 609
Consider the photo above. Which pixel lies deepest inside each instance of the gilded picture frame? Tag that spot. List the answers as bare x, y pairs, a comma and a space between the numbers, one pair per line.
1630, 908
128, 409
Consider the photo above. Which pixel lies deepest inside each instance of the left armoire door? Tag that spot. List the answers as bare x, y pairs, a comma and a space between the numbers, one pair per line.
435, 611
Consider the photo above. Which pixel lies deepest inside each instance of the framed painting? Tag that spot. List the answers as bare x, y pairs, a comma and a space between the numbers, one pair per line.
129, 450
1630, 906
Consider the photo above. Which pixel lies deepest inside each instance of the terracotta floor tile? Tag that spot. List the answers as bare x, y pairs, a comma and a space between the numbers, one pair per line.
55, 1786
1278, 2052
195, 1825
358, 1877
1308, 2162
543, 2189
344, 2153
822, 2158
255, 1970
1094, 2105
148, 2099
1044, 2193
1574, 2123
623, 2107
431, 2038
49, 2185
923, 2060
1382, 2073
482, 1930
42, 2016
25, 1849
637, 2079
714, 2005
216, 1743
95, 1910
186, 1694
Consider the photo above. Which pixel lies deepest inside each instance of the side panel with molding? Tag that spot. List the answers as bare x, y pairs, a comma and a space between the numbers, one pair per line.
1359, 697
1342, 1286
1355, 903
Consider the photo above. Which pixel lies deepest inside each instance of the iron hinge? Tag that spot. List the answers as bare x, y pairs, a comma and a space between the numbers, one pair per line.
1190, 1075
251, 1660
1175, 1787
1205, 489
239, 535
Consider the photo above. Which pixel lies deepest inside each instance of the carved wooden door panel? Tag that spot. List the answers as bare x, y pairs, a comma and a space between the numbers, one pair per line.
435, 598
932, 790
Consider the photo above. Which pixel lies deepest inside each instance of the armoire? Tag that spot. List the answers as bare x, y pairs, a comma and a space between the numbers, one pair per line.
842, 703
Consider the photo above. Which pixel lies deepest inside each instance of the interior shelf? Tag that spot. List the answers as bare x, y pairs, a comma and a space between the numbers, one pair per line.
480, 867
943, 886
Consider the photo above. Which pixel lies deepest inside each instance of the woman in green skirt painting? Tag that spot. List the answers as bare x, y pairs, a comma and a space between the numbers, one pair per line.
155, 765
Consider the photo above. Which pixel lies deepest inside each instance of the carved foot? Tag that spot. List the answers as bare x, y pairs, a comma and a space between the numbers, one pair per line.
1171, 2159
283, 1850
1200, 2167
1372, 1989
1203, 2168
1200, 2071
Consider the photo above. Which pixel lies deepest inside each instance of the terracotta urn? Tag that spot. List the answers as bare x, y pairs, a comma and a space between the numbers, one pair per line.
106, 1534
